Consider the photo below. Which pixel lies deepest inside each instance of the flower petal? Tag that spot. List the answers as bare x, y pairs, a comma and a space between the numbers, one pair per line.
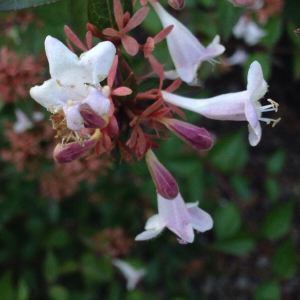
254, 125
148, 234
154, 222
175, 215
98, 60
60, 57
257, 86
200, 220
73, 117
97, 101
50, 94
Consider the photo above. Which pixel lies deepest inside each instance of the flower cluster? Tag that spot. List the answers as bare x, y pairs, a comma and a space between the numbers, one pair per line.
96, 105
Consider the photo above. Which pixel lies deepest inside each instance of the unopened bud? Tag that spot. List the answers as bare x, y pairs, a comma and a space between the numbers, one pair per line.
194, 136
165, 183
91, 118
71, 151
177, 4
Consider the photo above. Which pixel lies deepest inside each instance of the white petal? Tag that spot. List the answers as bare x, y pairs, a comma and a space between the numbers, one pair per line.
50, 94
73, 117
175, 215
99, 60
257, 86
23, 123
200, 220
60, 57
97, 101
254, 125
153, 222
148, 234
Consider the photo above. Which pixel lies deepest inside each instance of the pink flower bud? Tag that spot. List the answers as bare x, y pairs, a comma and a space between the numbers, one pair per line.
242, 2
177, 4
91, 118
71, 151
165, 183
194, 136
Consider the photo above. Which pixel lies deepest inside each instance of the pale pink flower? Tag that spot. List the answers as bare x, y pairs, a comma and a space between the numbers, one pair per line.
179, 217
75, 81
186, 51
239, 106
248, 30
23, 123
132, 275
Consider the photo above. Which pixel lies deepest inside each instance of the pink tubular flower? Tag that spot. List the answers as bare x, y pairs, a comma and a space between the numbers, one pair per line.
240, 106
75, 81
186, 51
179, 217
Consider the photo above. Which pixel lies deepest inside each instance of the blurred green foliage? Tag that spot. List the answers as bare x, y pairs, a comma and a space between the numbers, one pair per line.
48, 249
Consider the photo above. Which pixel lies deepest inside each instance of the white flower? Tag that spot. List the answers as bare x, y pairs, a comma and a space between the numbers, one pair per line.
186, 51
179, 217
248, 30
132, 275
75, 81
240, 106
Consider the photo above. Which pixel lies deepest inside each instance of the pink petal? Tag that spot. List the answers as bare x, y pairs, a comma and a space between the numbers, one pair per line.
148, 234
122, 91
74, 39
118, 12
111, 32
130, 44
91, 118
137, 18
163, 34
112, 73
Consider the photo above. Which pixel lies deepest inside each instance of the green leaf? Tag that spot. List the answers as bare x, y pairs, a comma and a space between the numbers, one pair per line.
6, 5
285, 261
268, 290
276, 162
228, 221
273, 31
228, 16
51, 267
241, 186
230, 153
278, 221
6, 287
101, 13
272, 187
236, 246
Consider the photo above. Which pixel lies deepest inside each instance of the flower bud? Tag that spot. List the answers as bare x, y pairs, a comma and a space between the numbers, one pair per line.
91, 118
71, 151
194, 136
165, 183
177, 4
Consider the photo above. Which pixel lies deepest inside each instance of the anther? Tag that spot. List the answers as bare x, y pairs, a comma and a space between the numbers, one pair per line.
274, 104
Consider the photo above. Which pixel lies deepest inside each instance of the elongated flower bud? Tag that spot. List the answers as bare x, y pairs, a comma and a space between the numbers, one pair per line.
194, 136
71, 151
165, 183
